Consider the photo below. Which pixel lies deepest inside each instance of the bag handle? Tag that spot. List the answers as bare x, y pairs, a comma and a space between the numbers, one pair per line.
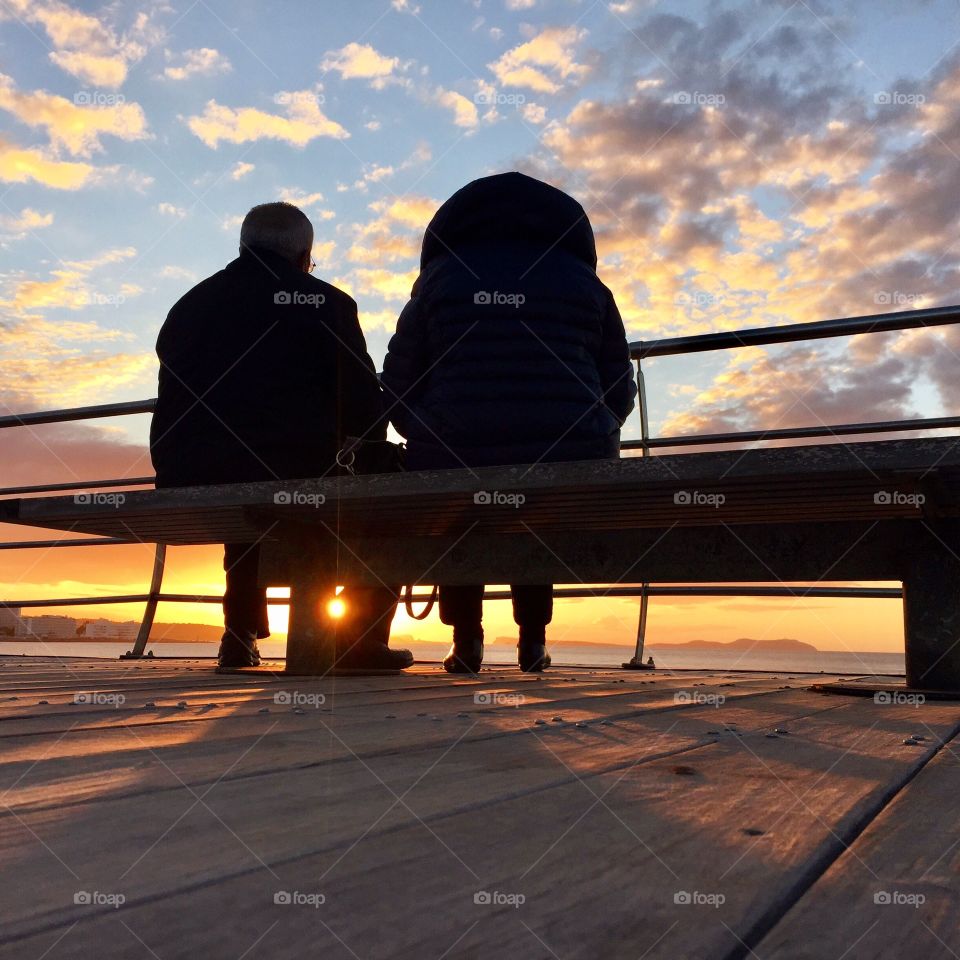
408, 602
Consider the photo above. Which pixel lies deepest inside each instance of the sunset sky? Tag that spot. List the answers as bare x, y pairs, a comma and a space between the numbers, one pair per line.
743, 164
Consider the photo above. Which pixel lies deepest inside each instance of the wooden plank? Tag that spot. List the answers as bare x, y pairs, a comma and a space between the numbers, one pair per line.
73, 766
895, 891
600, 855
244, 819
625, 492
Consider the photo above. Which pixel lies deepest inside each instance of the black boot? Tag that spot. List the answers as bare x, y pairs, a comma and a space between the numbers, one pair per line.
374, 656
466, 654
238, 648
532, 650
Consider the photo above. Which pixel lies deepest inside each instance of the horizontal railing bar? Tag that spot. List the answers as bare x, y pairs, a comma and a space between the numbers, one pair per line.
78, 485
51, 544
70, 414
560, 592
794, 332
794, 433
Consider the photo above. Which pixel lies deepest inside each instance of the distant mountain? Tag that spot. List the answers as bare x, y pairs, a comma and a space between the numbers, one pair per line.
784, 644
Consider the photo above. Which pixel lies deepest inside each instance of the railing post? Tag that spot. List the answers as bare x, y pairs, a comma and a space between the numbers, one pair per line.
636, 661
150, 610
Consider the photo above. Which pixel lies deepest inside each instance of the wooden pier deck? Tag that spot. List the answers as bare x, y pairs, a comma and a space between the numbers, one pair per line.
586, 814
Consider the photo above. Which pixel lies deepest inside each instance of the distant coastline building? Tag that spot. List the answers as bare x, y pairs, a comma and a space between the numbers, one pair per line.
9, 621
111, 629
47, 627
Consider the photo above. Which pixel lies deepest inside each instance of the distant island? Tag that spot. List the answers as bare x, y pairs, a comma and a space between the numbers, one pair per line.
783, 644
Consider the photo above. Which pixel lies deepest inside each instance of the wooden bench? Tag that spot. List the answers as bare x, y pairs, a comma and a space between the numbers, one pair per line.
861, 511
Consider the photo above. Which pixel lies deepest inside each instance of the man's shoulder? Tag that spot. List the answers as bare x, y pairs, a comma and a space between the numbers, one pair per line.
334, 295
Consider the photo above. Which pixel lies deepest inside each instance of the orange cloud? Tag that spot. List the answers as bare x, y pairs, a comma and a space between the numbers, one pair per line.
305, 121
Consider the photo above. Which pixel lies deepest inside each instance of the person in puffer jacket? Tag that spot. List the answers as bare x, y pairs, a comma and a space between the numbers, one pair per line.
510, 351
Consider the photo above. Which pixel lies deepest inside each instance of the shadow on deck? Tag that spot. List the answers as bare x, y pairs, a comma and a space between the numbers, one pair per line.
592, 813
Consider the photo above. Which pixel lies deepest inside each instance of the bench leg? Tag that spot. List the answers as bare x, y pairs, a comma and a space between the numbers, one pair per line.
931, 615
312, 634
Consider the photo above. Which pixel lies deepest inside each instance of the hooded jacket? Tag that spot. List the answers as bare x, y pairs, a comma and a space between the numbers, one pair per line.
510, 349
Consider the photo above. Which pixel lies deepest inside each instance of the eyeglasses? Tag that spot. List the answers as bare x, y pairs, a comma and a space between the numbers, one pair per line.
313, 265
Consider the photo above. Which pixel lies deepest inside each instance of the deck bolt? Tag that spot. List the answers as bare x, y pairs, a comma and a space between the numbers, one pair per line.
264, 710
910, 742
540, 723
557, 719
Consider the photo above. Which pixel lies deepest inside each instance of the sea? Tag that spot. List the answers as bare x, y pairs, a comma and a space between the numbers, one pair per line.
569, 654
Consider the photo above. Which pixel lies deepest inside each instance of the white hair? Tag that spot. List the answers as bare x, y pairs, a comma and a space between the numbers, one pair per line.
278, 227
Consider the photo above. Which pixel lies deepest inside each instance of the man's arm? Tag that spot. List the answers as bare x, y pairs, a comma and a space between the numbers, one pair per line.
405, 366
614, 365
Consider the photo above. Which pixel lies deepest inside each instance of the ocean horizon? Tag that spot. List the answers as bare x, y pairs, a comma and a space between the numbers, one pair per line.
666, 656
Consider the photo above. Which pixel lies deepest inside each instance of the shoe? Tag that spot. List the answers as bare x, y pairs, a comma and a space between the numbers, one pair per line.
238, 649
466, 654
532, 655
374, 656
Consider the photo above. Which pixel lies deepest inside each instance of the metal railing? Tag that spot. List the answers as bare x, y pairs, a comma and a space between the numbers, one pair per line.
639, 351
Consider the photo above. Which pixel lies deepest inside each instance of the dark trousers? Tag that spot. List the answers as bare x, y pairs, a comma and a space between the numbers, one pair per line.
463, 606
370, 610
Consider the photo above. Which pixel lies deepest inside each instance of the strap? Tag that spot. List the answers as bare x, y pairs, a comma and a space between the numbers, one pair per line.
408, 602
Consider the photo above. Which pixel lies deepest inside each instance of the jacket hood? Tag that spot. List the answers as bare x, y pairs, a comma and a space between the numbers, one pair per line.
510, 207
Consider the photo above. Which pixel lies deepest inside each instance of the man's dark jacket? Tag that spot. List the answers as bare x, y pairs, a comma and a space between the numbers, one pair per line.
474, 375
263, 372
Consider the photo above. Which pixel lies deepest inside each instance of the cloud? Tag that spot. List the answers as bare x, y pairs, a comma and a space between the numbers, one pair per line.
390, 286
306, 200
84, 45
360, 61
464, 110
519, 4
203, 61
304, 121
25, 164
241, 169
544, 63
169, 210
69, 288
74, 128
393, 235
26, 220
